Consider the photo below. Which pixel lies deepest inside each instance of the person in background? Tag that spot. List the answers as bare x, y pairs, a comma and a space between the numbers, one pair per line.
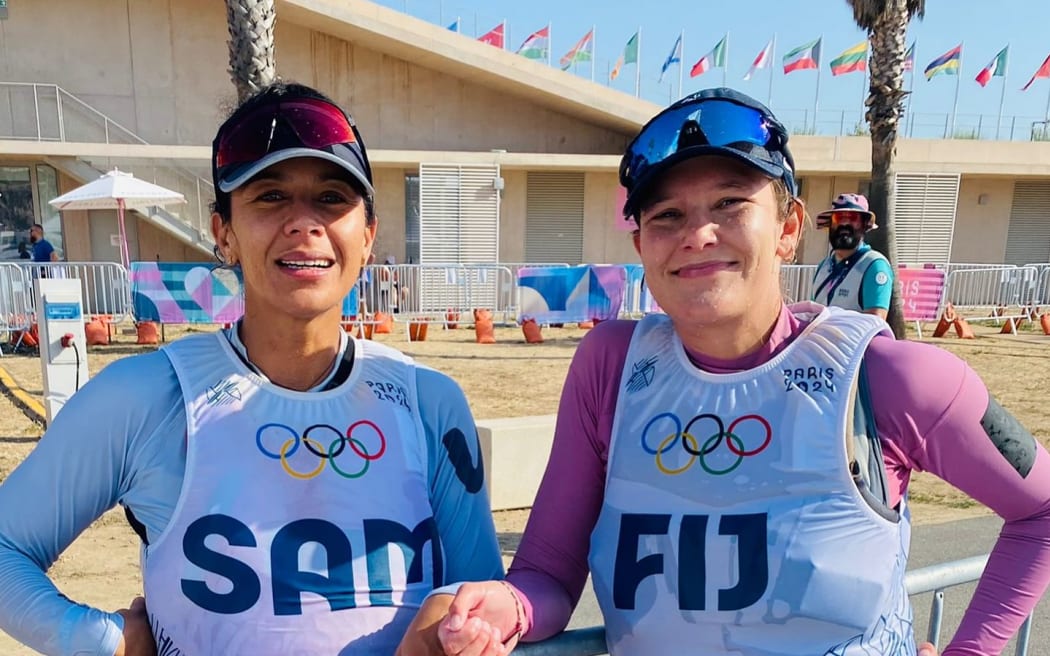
296, 491
853, 276
43, 251
734, 474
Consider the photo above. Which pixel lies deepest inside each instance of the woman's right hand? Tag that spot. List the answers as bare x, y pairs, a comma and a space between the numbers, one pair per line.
479, 619
138, 636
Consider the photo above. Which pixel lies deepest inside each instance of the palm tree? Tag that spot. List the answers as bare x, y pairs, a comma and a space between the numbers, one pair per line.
886, 22
252, 64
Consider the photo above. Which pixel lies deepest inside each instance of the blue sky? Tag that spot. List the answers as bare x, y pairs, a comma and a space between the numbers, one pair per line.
1020, 23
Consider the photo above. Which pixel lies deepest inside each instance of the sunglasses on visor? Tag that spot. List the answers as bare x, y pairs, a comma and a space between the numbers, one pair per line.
706, 122
308, 122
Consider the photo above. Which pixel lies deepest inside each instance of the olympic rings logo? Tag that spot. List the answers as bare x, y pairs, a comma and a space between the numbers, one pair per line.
702, 451
324, 454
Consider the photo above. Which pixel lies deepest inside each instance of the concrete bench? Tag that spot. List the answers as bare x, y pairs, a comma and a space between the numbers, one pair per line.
515, 450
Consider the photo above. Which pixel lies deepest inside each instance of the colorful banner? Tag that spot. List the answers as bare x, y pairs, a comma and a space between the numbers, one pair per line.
537, 45
714, 59
567, 295
581, 52
193, 292
921, 291
629, 56
1043, 71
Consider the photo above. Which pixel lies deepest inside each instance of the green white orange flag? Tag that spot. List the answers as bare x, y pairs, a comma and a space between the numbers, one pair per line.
629, 56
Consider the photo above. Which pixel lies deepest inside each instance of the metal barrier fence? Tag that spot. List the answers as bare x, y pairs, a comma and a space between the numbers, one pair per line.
428, 293
105, 286
796, 281
936, 579
16, 311
992, 288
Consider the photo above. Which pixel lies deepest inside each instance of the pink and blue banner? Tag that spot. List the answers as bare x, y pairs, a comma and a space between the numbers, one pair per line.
193, 292
571, 294
921, 291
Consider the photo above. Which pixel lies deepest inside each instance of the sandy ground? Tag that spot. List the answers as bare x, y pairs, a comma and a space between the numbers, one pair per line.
101, 567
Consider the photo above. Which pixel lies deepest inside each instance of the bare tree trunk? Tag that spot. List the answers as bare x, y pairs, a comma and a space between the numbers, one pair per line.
252, 61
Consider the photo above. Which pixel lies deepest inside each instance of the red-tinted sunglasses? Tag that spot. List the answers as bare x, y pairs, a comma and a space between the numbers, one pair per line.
313, 122
836, 218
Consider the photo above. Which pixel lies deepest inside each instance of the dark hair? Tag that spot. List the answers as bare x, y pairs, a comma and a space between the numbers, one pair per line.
38, 226
265, 95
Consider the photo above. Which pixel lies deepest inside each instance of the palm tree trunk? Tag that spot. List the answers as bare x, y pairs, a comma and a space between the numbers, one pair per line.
885, 103
252, 61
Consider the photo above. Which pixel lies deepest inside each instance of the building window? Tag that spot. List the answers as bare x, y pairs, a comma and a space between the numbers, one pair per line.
16, 212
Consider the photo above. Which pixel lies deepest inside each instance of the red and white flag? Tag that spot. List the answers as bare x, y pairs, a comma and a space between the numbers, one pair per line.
762, 61
1044, 71
493, 37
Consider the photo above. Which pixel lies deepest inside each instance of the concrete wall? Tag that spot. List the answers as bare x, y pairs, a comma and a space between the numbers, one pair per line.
158, 67
980, 229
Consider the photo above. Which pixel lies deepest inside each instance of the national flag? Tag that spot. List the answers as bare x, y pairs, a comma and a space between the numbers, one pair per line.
761, 61
946, 64
537, 44
582, 51
909, 58
714, 59
1044, 71
995, 68
493, 37
674, 58
454, 25
629, 56
852, 59
803, 57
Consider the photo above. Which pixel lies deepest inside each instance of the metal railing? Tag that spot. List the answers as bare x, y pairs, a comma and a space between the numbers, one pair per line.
16, 311
104, 286
47, 112
935, 578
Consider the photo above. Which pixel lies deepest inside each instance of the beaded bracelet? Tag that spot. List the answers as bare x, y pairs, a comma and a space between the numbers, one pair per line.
519, 613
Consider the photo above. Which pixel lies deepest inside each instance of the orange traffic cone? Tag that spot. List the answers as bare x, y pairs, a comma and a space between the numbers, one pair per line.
483, 330
532, 332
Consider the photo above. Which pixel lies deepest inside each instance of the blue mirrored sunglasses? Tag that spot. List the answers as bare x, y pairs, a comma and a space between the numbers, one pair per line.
702, 122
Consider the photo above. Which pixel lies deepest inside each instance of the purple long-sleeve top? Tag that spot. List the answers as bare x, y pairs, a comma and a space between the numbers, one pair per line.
928, 406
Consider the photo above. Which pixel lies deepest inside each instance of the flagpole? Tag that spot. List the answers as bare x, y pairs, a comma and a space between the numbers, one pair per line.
772, 58
911, 91
594, 52
725, 60
955, 106
638, 68
681, 62
550, 43
816, 94
1002, 97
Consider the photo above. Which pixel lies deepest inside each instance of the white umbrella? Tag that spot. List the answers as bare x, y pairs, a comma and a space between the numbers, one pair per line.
117, 190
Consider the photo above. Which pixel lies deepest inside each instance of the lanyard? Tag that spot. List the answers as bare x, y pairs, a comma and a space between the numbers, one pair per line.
837, 278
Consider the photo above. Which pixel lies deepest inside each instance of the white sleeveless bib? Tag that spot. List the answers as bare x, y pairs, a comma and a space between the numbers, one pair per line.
304, 523
730, 523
